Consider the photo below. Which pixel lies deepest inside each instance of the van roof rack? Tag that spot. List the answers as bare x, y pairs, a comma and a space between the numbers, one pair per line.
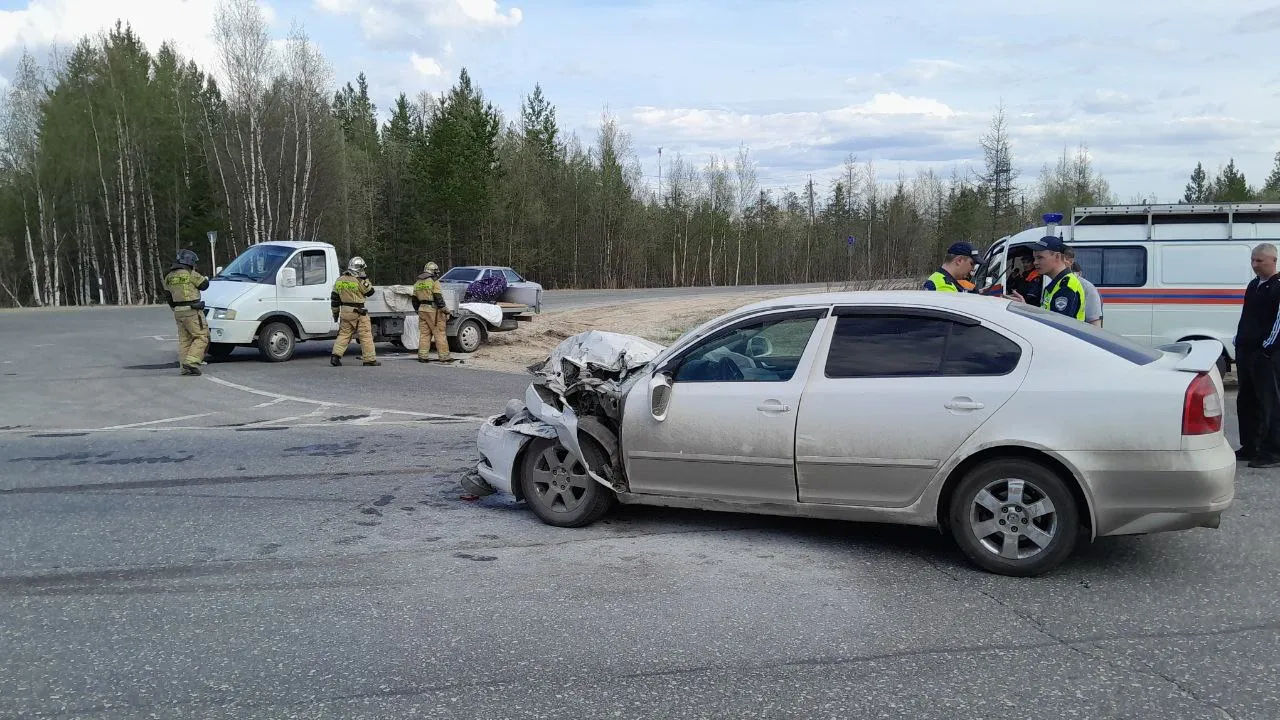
1169, 214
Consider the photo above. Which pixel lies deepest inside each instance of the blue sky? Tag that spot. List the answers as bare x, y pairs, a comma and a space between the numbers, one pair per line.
1150, 87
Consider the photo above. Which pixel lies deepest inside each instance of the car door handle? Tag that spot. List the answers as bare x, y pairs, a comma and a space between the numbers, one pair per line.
963, 404
773, 406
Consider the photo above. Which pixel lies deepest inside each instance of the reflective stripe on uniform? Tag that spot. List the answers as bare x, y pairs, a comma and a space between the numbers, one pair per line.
1065, 296
941, 283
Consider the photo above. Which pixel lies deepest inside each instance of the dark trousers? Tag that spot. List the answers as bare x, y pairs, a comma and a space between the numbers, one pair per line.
1258, 403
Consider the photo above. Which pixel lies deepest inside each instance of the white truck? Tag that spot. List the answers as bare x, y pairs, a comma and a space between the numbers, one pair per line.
276, 294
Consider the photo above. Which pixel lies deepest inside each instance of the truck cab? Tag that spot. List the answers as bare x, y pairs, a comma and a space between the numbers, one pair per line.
272, 295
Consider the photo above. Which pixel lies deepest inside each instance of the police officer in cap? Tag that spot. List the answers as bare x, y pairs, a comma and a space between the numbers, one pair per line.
957, 266
1065, 294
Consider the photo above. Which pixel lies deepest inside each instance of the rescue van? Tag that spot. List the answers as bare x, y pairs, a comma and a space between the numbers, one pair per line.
1166, 273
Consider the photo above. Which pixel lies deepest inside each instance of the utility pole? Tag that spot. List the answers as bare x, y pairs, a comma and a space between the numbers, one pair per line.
808, 243
659, 176
660, 223
213, 262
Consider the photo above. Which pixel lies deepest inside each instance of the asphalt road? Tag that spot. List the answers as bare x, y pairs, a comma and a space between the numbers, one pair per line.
288, 540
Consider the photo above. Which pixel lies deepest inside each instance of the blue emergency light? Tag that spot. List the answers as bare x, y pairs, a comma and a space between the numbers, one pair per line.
1052, 218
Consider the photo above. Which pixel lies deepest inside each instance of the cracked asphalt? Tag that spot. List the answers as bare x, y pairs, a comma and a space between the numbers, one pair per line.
290, 541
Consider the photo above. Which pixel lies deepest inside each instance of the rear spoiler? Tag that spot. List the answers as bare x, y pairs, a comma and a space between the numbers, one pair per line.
1197, 355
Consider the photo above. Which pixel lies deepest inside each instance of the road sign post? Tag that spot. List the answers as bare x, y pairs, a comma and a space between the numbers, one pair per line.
213, 262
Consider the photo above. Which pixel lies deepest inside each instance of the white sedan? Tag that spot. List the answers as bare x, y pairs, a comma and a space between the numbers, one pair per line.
1018, 431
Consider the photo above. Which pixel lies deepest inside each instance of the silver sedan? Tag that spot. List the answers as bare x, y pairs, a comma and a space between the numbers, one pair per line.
1019, 432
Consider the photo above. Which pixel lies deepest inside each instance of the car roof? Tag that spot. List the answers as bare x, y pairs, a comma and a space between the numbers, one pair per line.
985, 307
970, 302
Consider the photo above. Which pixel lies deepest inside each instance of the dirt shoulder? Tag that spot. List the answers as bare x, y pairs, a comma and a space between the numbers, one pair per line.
660, 320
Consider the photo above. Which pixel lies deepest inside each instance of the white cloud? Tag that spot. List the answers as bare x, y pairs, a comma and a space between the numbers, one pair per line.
413, 20
914, 73
882, 114
425, 66
187, 24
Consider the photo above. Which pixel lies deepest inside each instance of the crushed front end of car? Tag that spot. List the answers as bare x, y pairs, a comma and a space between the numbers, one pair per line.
578, 390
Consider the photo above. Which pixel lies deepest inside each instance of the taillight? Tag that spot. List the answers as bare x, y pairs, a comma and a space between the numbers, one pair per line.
1201, 407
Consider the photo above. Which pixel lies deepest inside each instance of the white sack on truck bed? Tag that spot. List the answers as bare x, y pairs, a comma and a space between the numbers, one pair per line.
491, 313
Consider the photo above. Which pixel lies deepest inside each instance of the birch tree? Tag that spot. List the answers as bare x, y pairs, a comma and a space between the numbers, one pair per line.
745, 176
20, 158
248, 62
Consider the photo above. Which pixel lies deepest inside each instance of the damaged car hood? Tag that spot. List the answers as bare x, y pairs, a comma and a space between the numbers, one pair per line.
594, 355
582, 381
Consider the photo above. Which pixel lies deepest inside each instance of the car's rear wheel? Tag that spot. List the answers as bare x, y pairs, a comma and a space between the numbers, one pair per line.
1014, 517
557, 488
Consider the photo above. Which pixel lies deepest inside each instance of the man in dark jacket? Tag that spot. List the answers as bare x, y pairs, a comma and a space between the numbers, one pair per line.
1257, 365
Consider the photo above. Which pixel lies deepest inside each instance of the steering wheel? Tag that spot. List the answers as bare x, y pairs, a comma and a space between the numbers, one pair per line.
729, 369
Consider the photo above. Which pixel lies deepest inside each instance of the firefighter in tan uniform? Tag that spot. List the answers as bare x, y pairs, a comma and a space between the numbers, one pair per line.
347, 301
184, 285
432, 314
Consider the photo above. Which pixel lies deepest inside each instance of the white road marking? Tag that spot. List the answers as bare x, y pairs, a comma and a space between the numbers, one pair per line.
215, 428
375, 417
156, 422
262, 423
325, 403
368, 419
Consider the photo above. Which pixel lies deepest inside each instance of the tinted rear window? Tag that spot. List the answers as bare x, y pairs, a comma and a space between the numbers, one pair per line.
461, 274
1112, 343
912, 346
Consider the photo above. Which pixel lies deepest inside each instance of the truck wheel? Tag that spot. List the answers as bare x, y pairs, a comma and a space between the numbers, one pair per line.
276, 342
469, 337
221, 351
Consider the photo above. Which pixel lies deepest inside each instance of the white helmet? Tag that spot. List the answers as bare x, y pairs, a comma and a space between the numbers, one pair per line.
356, 265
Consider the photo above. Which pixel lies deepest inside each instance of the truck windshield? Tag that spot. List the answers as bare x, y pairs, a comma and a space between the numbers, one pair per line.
461, 275
257, 264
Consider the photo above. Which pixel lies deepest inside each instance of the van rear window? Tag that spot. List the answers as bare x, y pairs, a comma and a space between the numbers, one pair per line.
1096, 336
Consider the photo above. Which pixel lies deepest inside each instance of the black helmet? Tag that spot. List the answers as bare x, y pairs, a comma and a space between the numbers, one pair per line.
188, 258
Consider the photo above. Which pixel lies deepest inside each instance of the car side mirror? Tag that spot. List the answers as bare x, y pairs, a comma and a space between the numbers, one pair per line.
659, 396
289, 277
217, 270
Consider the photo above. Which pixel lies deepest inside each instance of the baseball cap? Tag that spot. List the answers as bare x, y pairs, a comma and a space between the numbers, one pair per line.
1052, 243
963, 248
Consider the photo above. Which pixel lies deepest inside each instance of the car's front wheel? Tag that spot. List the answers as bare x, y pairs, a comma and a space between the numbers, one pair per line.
1014, 517
557, 488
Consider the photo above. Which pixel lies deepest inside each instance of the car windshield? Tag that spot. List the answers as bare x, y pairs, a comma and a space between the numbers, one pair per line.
1092, 334
461, 274
257, 264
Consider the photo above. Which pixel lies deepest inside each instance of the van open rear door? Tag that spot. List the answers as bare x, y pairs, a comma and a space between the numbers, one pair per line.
994, 268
